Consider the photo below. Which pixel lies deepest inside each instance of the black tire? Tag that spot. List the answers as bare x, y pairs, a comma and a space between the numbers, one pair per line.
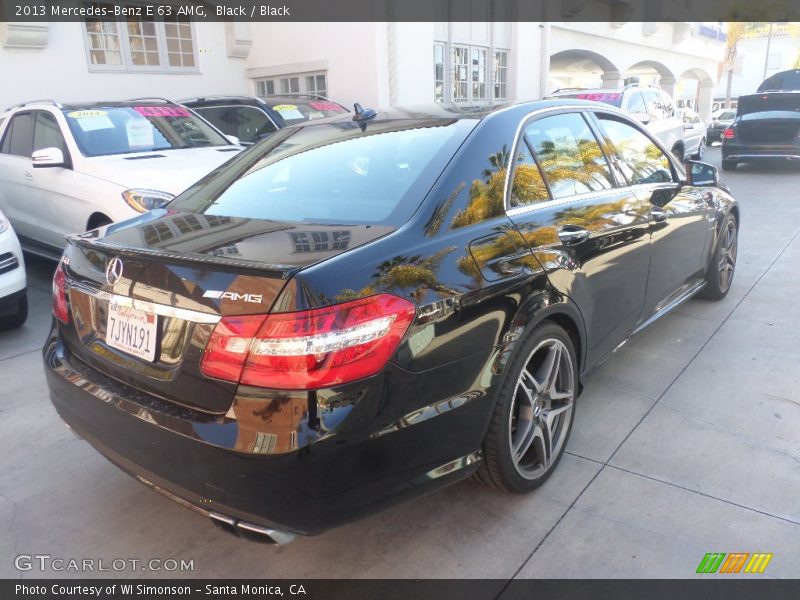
709, 142
719, 279
98, 221
500, 469
678, 151
16, 318
729, 165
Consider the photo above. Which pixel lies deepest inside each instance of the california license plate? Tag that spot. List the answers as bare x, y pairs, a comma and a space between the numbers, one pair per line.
132, 331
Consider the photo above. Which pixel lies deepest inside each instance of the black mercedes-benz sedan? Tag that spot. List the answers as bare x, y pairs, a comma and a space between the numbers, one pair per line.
766, 127
360, 311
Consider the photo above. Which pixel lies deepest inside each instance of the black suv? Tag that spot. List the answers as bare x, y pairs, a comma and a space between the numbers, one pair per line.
250, 118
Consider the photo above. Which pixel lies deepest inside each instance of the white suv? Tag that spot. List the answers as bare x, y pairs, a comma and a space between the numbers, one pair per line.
653, 107
68, 169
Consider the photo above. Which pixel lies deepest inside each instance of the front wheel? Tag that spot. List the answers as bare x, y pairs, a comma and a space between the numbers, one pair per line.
723, 264
533, 416
701, 150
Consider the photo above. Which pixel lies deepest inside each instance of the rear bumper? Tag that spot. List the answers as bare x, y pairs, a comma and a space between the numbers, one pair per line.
337, 479
748, 152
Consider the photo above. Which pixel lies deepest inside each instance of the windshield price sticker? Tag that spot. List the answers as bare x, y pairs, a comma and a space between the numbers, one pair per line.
162, 111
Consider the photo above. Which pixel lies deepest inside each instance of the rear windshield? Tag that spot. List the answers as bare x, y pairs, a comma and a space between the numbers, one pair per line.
298, 111
124, 129
769, 103
333, 173
612, 98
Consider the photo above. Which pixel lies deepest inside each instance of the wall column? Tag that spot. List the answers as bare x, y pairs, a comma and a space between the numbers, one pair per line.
612, 79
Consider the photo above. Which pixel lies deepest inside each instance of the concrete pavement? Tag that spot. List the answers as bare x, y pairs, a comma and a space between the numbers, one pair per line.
686, 442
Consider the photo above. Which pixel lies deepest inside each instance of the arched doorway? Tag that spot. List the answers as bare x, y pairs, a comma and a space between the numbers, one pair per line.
582, 68
697, 85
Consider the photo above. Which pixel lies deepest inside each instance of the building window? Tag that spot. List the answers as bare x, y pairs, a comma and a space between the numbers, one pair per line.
315, 84
501, 75
438, 72
460, 85
320, 241
467, 77
478, 73
140, 44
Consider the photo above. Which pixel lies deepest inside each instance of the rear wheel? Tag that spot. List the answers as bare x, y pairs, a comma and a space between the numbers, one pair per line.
533, 416
17, 317
723, 264
728, 165
677, 150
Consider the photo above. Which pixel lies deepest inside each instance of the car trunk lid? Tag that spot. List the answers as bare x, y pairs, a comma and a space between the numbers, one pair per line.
769, 119
179, 274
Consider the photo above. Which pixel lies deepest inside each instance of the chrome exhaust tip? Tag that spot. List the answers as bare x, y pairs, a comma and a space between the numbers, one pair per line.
249, 531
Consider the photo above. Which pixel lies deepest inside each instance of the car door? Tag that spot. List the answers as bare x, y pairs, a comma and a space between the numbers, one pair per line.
589, 234
16, 172
680, 216
56, 192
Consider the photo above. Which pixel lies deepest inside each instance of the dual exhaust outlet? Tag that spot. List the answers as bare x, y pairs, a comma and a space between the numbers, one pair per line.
249, 531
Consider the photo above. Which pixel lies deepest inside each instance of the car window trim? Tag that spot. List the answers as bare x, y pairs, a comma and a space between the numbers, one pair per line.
678, 173
523, 124
65, 151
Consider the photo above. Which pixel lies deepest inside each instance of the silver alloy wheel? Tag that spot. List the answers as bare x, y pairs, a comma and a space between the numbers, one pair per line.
727, 256
701, 149
542, 408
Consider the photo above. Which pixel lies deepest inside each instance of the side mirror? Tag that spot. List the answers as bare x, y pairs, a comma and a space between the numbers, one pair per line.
48, 157
700, 173
233, 140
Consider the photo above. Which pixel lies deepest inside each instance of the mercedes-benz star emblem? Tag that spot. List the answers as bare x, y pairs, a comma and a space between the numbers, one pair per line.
114, 270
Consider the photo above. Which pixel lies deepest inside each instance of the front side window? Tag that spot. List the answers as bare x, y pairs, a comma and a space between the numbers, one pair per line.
140, 44
18, 139
653, 103
639, 158
123, 129
245, 122
569, 154
47, 133
330, 173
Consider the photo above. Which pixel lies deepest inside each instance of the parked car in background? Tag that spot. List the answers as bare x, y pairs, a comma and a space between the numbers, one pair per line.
651, 106
720, 120
13, 283
694, 133
364, 309
766, 127
68, 168
250, 118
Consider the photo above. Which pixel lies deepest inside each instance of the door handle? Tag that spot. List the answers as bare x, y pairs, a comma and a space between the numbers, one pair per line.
571, 235
658, 214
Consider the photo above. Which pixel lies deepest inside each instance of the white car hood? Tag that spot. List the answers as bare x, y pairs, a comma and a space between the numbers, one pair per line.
169, 171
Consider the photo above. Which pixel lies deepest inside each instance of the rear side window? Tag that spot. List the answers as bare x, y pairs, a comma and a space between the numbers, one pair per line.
570, 157
334, 173
18, 140
636, 103
245, 122
638, 157
47, 133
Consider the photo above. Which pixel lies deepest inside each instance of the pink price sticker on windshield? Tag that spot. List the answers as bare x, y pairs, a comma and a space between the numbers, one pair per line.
329, 106
599, 97
162, 111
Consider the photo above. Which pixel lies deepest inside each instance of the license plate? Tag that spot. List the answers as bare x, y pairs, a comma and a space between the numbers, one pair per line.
132, 331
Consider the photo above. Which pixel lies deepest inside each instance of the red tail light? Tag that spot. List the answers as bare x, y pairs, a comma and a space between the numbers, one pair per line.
729, 133
60, 309
309, 349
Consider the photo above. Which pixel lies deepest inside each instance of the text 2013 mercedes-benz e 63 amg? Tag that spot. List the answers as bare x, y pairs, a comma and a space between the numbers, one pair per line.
362, 310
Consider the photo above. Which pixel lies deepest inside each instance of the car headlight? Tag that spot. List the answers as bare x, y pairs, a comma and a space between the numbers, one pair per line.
144, 200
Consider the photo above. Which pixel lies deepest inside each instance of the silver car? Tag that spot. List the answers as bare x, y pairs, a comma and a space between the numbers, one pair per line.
694, 134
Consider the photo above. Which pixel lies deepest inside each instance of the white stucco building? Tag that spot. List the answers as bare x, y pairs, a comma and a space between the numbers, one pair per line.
376, 64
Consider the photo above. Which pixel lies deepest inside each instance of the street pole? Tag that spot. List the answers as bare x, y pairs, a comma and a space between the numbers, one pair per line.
766, 59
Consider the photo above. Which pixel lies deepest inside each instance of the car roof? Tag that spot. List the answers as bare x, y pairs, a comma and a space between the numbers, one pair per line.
253, 100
